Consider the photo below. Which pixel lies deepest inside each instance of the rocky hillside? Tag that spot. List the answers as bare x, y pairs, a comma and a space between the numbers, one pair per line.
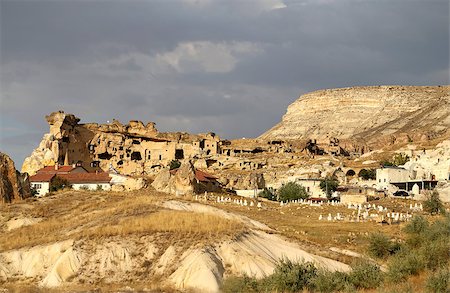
373, 114
13, 185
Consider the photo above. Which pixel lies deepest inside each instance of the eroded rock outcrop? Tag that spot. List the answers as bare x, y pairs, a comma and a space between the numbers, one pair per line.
130, 149
13, 185
181, 182
384, 114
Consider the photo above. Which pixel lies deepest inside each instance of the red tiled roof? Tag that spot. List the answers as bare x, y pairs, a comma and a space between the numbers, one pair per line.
86, 177
199, 175
51, 169
204, 177
41, 177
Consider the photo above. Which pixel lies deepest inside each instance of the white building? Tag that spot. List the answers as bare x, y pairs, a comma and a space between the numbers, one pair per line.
80, 179
386, 175
312, 185
41, 183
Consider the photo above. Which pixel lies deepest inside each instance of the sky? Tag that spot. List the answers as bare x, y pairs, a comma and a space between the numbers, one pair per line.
231, 67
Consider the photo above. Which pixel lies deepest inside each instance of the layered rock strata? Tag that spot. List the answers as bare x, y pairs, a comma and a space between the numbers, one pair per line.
375, 114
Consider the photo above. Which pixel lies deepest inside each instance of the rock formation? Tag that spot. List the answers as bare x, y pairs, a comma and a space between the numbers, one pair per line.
376, 114
131, 149
180, 182
13, 185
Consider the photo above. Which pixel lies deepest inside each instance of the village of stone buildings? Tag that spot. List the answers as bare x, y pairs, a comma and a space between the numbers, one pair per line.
132, 156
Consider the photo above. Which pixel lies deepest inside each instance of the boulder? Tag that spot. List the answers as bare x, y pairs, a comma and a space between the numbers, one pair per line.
179, 182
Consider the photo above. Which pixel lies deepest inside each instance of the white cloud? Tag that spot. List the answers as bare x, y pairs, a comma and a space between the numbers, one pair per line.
207, 56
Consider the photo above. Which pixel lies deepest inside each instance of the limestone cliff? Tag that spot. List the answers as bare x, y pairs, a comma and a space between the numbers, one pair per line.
13, 185
374, 114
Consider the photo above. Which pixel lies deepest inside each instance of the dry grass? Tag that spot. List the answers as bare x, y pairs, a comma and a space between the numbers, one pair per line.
84, 214
300, 223
170, 221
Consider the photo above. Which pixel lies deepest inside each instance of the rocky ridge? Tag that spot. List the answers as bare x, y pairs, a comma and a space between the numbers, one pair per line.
13, 185
374, 114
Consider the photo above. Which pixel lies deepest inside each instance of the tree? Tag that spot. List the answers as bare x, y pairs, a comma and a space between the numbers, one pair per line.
368, 174
58, 183
292, 191
329, 185
400, 159
267, 193
433, 204
174, 164
397, 160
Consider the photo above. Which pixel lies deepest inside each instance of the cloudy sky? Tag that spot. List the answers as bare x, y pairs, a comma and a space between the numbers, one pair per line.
231, 67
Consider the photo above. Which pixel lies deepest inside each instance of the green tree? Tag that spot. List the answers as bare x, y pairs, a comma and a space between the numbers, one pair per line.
174, 164
397, 160
329, 185
58, 183
267, 193
433, 204
292, 191
367, 174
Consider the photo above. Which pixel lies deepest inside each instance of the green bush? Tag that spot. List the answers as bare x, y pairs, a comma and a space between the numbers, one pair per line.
242, 284
368, 174
404, 264
292, 191
267, 193
439, 282
326, 281
365, 275
417, 225
290, 276
433, 204
380, 246
436, 254
397, 160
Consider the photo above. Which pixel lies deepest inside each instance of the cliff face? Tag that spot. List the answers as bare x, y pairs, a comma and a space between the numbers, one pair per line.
369, 114
13, 185
133, 148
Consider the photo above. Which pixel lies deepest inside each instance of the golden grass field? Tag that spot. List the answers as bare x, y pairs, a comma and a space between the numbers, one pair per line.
96, 215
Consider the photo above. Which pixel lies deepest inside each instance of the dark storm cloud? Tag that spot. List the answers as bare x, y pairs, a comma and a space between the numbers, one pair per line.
200, 65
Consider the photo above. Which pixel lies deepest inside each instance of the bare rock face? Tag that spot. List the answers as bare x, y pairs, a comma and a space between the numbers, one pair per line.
130, 149
183, 182
373, 114
13, 185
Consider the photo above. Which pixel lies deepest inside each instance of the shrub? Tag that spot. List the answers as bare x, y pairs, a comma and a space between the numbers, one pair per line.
439, 281
404, 264
326, 281
400, 159
292, 277
365, 275
436, 253
397, 160
380, 246
433, 204
174, 164
242, 284
369, 174
267, 193
84, 187
417, 225
99, 187
58, 183
292, 191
